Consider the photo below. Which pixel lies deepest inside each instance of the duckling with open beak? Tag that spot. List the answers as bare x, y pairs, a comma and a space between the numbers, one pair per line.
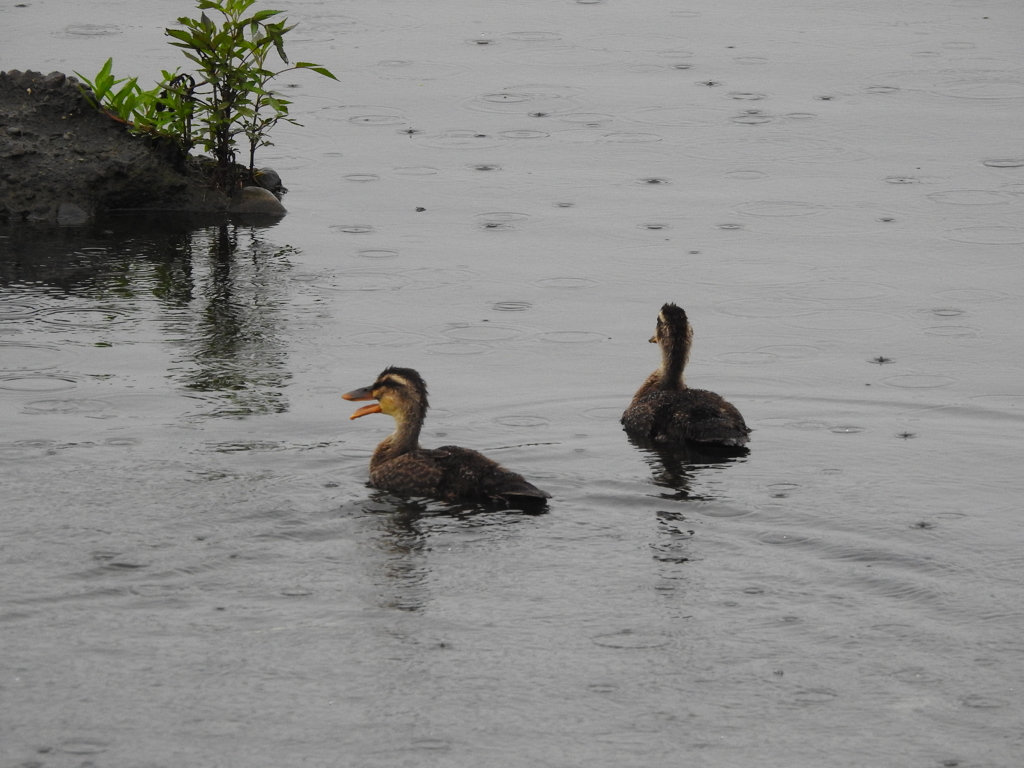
451, 473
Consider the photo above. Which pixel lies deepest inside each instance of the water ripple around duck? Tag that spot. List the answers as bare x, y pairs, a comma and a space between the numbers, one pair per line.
632, 639
997, 235
781, 147
12, 310
84, 318
37, 383
589, 119
564, 56
459, 139
365, 115
67, 406
385, 338
511, 306
33, 357
483, 332
918, 381
777, 208
89, 30
971, 197
404, 69
836, 290
27, 450
523, 101
571, 283
842, 320
457, 348
572, 337
995, 87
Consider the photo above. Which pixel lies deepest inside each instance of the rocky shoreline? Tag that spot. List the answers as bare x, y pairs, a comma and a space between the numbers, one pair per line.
63, 162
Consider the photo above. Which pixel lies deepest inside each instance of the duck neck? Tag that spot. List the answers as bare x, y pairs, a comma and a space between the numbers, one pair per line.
675, 351
405, 439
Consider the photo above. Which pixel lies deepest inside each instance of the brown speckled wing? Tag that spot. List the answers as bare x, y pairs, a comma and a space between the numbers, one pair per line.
471, 475
451, 472
411, 474
689, 414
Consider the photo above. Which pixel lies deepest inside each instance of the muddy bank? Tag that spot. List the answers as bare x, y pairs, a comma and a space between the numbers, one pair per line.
61, 161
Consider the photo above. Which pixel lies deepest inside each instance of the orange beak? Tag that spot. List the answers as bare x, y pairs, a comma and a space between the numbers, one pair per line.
366, 409
365, 393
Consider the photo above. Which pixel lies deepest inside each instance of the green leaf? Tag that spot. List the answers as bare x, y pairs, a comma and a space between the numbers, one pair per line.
182, 35
261, 15
279, 45
316, 68
225, 91
193, 58
105, 69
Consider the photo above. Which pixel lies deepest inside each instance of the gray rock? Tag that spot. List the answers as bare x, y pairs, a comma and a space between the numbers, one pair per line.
69, 214
256, 200
268, 178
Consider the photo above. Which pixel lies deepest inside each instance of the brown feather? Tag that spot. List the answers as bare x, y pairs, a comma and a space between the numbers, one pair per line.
665, 411
401, 466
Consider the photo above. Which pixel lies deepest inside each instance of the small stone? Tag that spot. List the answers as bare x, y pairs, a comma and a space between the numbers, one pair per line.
41, 212
270, 179
256, 200
70, 215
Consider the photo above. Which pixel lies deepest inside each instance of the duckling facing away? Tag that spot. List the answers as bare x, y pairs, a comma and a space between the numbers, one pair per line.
665, 411
450, 473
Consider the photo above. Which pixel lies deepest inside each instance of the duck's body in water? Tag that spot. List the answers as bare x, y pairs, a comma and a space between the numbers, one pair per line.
665, 411
451, 473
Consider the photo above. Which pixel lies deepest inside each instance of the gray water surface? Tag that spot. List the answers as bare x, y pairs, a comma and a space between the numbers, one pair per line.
194, 572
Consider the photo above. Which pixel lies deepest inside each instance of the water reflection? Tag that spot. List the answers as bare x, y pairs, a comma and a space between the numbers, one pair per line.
408, 530
235, 344
213, 288
403, 570
676, 467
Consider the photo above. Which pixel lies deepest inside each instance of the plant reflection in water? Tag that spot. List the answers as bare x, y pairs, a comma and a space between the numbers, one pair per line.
234, 343
212, 288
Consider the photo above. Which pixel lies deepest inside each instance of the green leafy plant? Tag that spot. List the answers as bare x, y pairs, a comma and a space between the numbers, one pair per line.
228, 97
124, 101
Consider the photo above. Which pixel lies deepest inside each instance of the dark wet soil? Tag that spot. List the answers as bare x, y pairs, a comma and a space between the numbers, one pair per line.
64, 162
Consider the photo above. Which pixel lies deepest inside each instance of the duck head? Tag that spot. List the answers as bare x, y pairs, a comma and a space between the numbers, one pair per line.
673, 335
400, 393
